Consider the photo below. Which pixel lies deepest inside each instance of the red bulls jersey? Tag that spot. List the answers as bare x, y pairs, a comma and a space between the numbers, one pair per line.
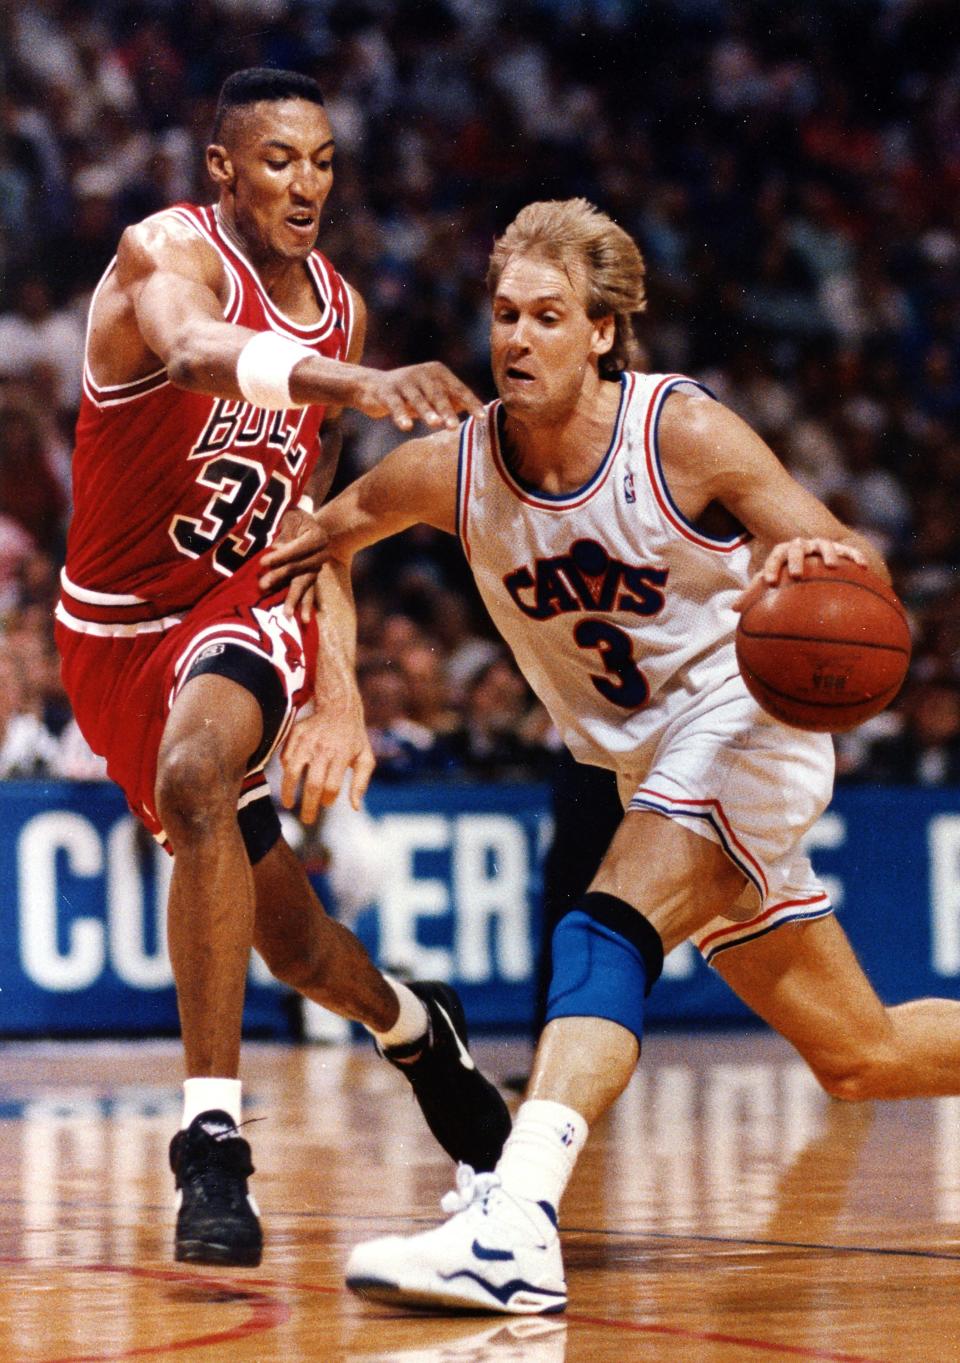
176, 491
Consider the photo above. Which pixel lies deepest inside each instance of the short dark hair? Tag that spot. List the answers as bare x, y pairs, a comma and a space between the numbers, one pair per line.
256, 83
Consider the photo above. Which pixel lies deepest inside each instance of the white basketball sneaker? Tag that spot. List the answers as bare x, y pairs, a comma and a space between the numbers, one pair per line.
497, 1253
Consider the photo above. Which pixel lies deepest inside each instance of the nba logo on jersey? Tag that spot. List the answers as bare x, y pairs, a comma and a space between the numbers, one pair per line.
629, 491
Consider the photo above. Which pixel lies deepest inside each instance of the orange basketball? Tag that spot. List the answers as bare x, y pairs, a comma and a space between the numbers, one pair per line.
825, 651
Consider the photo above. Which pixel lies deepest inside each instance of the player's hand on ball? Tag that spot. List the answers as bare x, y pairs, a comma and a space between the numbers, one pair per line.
792, 554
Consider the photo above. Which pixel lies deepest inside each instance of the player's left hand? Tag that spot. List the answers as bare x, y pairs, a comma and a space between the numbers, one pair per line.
792, 554
297, 531
320, 751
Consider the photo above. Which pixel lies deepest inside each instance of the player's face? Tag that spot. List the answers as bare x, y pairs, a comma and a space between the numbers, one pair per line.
280, 167
542, 343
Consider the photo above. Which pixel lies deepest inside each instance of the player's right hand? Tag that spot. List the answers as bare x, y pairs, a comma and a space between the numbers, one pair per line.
419, 392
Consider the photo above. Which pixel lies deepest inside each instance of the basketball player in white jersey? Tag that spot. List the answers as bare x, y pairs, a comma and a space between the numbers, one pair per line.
612, 520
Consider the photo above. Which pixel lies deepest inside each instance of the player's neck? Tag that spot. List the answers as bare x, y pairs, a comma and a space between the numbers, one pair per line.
560, 454
277, 276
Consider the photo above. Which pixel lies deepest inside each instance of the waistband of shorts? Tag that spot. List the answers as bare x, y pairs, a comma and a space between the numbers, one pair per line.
80, 606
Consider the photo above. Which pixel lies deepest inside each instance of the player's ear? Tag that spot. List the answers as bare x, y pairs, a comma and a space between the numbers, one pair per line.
220, 164
604, 334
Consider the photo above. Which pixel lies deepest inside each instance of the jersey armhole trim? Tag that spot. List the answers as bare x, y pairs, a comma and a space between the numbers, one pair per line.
465, 481
658, 482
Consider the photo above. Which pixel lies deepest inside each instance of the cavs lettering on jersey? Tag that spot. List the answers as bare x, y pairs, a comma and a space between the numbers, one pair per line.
175, 491
617, 610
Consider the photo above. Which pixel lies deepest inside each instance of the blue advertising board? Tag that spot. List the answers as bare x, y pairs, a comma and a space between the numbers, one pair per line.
82, 918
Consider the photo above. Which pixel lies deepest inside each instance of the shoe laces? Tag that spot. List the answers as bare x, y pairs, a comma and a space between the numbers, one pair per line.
471, 1188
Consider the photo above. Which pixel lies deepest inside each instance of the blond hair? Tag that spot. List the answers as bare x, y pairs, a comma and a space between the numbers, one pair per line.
571, 233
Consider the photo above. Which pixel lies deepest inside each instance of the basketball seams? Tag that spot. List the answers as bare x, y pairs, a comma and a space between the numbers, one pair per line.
890, 599
816, 703
822, 639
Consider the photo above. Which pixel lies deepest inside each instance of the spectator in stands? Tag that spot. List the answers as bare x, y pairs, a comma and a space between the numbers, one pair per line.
30, 491
27, 748
404, 749
42, 342
926, 751
428, 691
496, 741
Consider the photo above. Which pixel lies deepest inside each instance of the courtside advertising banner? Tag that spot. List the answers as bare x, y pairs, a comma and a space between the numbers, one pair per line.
456, 895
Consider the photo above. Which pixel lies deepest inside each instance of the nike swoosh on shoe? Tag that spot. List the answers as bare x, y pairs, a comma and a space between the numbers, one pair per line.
481, 1252
466, 1059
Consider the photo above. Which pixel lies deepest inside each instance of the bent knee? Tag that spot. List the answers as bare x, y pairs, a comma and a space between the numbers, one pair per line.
861, 1076
195, 784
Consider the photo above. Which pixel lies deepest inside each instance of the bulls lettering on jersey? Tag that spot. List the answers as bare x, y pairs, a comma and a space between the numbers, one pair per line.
614, 606
175, 491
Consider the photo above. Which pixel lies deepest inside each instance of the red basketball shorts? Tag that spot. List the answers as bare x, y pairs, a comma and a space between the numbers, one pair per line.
122, 675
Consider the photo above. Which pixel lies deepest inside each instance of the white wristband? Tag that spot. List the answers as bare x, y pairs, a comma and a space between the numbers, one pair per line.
263, 370
305, 503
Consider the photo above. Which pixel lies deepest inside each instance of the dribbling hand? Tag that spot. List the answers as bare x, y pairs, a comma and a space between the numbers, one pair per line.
790, 554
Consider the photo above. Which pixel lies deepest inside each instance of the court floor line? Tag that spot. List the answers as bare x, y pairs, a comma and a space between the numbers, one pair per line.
266, 1311
270, 1311
398, 1219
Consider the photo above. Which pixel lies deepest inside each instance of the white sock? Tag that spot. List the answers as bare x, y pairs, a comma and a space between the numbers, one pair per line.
207, 1095
541, 1150
412, 1021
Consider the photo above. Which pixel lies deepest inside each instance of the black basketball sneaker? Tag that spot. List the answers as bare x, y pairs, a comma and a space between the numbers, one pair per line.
463, 1109
217, 1222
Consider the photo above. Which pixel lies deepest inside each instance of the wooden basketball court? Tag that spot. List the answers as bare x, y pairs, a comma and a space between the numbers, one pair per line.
726, 1211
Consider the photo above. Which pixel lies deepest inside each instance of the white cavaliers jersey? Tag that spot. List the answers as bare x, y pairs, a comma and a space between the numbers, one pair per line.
617, 609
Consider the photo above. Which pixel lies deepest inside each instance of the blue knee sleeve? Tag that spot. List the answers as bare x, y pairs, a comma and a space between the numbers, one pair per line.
606, 959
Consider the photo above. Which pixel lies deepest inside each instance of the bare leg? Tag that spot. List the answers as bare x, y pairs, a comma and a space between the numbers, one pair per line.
585, 1063
806, 982
312, 953
213, 727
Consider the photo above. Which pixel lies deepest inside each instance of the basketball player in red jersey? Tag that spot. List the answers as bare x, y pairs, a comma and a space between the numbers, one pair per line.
220, 342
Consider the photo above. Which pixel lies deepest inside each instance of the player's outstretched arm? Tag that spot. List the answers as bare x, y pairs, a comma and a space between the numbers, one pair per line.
415, 483
713, 458
174, 283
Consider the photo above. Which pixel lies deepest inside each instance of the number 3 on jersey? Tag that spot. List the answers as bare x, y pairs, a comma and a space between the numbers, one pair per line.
626, 685
238, 488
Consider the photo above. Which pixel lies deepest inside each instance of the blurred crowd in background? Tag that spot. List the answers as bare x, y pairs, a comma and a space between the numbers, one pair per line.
792, 174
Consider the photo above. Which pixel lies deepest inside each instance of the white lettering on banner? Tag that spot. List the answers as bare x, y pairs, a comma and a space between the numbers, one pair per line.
405, 896
126, 914
47, 918
40, 840
829, 832
490, 877
490, 873
943, 842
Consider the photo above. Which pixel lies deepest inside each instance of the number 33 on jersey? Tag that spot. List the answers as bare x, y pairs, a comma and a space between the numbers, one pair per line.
197, 483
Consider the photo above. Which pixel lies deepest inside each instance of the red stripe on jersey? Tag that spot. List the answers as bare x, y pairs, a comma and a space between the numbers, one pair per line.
655, 475
466, 482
